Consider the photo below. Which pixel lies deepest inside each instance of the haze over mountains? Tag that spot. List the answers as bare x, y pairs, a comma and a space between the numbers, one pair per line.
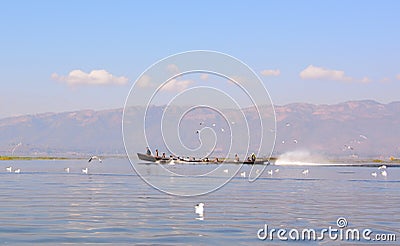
355, 128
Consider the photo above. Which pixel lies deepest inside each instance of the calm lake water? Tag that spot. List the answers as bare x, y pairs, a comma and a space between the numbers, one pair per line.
112, 205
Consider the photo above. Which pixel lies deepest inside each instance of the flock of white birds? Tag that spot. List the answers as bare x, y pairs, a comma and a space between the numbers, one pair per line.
199, 208
382, 170
67, 169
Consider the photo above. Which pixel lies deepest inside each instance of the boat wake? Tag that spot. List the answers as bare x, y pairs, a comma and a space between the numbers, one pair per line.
300, 158
299, 163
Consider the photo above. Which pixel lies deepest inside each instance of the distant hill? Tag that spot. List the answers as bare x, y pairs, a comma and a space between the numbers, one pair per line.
358, 128
69, 133
355, 128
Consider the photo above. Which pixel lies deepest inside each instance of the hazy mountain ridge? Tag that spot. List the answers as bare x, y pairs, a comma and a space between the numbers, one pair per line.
85, 131
365, 128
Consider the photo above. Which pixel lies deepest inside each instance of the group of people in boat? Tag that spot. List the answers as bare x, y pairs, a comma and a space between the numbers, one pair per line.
157, 156
251, 158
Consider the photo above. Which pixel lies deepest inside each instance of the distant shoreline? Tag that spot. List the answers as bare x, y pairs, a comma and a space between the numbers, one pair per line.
54, 158
28, 158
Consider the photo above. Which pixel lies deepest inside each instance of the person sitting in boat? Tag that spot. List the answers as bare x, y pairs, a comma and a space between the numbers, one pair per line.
253, 157
148, 151
156, 152
216, 159
236, 158
163, 155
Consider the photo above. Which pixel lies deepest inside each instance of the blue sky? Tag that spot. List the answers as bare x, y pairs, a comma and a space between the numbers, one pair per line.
310, 51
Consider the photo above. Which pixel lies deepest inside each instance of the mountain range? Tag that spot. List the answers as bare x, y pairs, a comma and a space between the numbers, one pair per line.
362, 129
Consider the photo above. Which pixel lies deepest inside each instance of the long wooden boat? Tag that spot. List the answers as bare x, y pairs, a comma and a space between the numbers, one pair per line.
257, 161
151, 158
145, 157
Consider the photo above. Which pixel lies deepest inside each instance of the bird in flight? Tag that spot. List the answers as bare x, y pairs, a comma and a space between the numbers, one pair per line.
95, 157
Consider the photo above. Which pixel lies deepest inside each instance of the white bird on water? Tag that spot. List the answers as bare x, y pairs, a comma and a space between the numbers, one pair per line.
270, 172
66, 169
9, 169
277, 170
85, 170
374, 174
199, 209
226, 171
95, 157
243, 174
384, 173
17, 170
305, 172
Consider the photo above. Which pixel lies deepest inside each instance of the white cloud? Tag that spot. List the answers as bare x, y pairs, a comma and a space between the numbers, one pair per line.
95, 77
313, 72
385, 80
238, 79
145, 81
271, 72
204, 76
173, 68
176, 85
365, 80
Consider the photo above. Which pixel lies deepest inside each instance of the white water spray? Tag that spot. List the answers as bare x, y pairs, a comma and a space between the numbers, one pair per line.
299, 157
